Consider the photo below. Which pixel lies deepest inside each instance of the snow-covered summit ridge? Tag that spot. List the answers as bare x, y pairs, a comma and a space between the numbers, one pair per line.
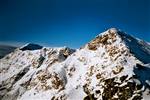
112, 36
106, 68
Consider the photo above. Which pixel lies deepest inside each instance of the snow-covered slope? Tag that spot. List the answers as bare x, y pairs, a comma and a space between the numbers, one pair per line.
113, 66
23, 69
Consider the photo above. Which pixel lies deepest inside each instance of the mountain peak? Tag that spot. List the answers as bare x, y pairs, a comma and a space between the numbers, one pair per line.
110, 31
31, 46
113, 30
106, 38
117, 39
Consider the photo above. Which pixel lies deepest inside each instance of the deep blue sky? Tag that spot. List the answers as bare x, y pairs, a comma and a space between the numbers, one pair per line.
70, 22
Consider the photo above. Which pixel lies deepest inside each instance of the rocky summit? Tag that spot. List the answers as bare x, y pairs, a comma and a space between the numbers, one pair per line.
113, 66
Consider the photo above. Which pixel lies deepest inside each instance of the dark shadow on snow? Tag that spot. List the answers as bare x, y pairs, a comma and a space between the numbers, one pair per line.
31, 46
142, 73
140, 49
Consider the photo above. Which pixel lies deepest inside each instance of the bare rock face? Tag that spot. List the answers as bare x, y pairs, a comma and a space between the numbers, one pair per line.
105, 39
113, 66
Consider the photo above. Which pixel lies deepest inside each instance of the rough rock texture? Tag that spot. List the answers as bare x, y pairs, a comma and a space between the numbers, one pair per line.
113, 66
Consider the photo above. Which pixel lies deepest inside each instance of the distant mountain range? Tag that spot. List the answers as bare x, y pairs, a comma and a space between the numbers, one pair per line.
112, 66
6, 49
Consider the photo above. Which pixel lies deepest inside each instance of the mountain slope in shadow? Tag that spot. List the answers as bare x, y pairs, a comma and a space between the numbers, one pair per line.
6, 49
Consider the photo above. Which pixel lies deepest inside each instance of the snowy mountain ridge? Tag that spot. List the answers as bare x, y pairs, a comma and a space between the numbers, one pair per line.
113, 66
